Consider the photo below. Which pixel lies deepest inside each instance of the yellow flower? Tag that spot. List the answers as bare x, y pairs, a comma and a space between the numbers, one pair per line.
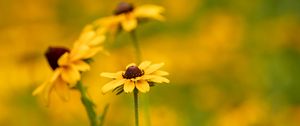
67, 65
140, 77
127, 16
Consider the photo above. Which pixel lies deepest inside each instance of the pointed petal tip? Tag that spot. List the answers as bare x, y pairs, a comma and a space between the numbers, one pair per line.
143, 86
103, 92
112, 85
144, 64
104, 74
34, 93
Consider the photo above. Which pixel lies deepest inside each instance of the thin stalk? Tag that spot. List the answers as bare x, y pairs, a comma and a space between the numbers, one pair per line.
102, 118
87, 103
136, 107
138, 60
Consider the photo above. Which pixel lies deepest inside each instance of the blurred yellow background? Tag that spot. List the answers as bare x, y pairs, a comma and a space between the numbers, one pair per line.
231, 63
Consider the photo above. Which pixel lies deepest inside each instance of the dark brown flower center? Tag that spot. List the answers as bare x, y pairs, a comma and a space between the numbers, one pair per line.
133, 72
123, 7
53, 54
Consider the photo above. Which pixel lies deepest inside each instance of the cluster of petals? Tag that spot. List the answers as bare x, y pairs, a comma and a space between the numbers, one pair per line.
71, 64
149, 73
128, 16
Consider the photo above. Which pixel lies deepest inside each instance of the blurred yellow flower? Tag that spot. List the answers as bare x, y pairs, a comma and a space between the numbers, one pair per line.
140, 77
67, 65
127, 16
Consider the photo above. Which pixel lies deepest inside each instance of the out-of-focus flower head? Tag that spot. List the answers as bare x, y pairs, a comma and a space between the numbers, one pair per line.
127, 16
67, 64
135, 77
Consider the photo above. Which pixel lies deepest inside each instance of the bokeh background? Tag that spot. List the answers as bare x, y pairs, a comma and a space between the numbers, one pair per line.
231, 63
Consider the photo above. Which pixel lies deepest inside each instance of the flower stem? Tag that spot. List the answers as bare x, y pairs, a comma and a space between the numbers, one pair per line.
136, 107
88, 104
102, 117
138, 60
136, 46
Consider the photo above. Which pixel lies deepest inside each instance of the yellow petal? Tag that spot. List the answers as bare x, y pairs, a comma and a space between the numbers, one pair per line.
62, 89
81, 65
64, 59
112, 85
144, 65
91, 52
108, 21
160, 79
112, 75
129, 22
45, 89
143, 86
108, 24
79, 52
47, 86
87, 28
155, 78
153, 68
101, 31
47, 92
128, 86
55, 75
97, 40
76, 46
53, 78
149, 11
160, 73
87, 36
70, 75
40, 88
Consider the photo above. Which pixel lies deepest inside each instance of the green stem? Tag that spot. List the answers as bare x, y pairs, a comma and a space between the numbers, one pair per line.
102, 118
136, 107
138, 55
138, 60
136, 46
88, 104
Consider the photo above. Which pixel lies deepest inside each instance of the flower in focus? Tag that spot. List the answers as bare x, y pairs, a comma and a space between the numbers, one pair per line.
140, 77
127, 16
67, 64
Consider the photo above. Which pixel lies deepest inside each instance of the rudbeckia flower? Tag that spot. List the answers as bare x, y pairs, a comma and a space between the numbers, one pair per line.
127, 16
67, 64
140, 77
